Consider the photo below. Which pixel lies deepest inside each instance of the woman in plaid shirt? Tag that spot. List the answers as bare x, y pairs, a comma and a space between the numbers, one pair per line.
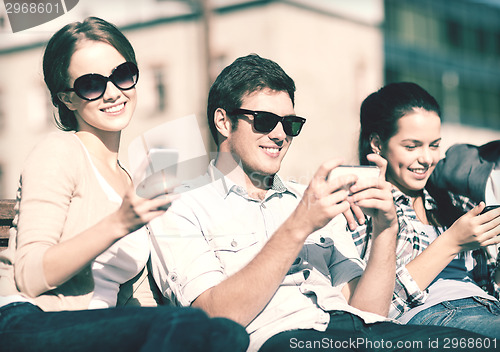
447, 250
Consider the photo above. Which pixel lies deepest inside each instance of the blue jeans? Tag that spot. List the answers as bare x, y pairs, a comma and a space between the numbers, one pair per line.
348, 332
25, 327
472, 314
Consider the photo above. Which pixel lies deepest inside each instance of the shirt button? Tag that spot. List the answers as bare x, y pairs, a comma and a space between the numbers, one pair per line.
173, 277
322, 239
263, 205
234, 243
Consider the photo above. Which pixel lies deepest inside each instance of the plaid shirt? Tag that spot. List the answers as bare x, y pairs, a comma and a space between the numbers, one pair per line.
411, 243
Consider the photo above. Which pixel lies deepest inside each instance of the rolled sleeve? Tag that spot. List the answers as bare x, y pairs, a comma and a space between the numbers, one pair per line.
346, 263
407, 294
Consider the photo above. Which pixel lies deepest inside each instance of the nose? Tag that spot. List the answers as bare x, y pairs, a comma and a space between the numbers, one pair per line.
112, 92
278, 133
426, 156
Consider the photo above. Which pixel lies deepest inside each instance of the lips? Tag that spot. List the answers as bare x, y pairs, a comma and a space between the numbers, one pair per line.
114, 109
271, 151
419, 173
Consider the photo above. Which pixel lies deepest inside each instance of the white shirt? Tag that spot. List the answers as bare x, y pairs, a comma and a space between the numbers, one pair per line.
492, 191
215, 229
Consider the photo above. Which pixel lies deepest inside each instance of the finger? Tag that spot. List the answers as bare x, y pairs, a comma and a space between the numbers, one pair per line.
491, 241
371, 204
490, 215
162, 201
325, 168
369, 193
344, 182
365, 183
492, 227
334, 198
338, 208
474, 212
358, 213
380, 162
351, 221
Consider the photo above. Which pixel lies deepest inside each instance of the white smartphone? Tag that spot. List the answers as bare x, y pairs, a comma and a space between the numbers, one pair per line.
161, 173
163, 159
362, 171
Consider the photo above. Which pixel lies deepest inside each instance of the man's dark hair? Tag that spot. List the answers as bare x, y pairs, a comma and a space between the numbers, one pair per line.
245, 75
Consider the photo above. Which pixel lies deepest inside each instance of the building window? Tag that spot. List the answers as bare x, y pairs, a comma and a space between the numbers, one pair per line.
160, 89
481, 40
497, 44
4, 24
454, 33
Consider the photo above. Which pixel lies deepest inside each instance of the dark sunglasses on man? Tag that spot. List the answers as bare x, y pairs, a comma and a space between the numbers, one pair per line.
93, 85
264, 121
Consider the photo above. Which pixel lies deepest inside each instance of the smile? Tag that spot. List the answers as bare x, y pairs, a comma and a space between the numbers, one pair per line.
419, 171
114, 109
273, 151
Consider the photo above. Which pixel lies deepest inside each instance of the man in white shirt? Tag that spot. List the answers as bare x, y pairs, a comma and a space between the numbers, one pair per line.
275, 256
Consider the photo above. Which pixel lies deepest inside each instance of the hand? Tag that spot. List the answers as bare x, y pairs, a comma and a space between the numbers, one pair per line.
473, 230
324, 198
135, 212
373, 197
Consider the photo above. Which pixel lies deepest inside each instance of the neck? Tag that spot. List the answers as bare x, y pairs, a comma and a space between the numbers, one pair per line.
103, 147
256, 185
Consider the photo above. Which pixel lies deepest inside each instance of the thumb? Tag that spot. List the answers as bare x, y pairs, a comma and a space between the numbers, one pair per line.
477, 209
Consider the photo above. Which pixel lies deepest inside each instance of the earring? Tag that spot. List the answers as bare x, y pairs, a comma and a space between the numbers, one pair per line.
376, 152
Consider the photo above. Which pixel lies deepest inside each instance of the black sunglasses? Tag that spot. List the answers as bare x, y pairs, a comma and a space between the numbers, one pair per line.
93, 85
265, 121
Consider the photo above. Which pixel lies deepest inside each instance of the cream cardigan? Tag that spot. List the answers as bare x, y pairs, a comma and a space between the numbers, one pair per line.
59, 196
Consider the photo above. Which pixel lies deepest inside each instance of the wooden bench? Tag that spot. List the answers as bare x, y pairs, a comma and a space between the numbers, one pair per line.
6, 216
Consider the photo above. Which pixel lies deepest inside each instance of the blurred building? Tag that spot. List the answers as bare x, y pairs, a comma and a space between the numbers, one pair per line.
333, 49
452, 48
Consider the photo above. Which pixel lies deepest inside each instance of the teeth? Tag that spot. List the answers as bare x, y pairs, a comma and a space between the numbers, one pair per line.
114, 108
271, 150
419, 171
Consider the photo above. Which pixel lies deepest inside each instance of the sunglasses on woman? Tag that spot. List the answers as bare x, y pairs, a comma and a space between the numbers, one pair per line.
264, 121
93, 85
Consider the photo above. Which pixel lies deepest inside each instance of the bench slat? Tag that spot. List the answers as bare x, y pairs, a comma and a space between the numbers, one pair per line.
6, 216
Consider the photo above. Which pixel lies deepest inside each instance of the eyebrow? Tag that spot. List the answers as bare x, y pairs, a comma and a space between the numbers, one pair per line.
418, 141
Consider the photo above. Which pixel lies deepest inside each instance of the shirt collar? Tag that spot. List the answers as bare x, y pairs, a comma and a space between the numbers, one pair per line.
402, 199
225, 185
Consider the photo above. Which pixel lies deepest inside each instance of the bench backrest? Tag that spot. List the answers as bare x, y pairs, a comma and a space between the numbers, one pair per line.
6, 216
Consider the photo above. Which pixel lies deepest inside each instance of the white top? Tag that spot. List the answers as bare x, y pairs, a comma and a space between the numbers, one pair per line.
120, 262
492, 191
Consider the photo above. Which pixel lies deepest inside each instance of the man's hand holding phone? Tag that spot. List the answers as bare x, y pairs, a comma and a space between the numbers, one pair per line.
370, 194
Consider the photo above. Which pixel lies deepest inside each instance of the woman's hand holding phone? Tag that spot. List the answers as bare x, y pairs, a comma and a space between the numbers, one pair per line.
475, 229
135, 211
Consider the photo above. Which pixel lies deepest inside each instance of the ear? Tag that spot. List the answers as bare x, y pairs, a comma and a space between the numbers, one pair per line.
222, 122
375, 143
67, 99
